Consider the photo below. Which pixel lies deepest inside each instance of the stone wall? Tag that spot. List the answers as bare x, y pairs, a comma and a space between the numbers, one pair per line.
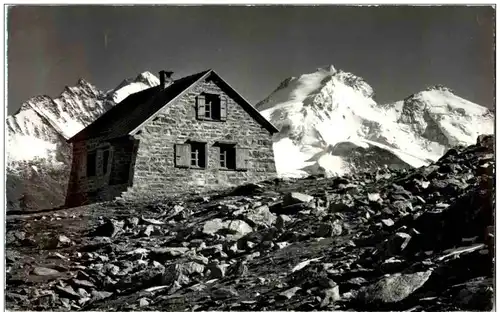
102, 187
155, 169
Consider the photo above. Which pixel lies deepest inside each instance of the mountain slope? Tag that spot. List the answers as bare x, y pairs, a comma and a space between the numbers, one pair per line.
38, 157
328, 117
44, 121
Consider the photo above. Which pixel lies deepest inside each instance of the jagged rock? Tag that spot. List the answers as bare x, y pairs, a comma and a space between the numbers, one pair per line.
217, 270
403, 206
297, 198
239, 228
331, 295
328, 229
147, 277
82, 293
193, 268
282, 221
110, 268
224, 292
324, 230
82, 283
289, 293
397, 243
393, 288
64, 240
143, 302
212, 251
41, 271
148, 230
100, 295
168, 252
176, 273
20, 235
213, 226
109, 228
387, 222
67, 291
151, 221
374, 197
261, 216
132, 222
477, 295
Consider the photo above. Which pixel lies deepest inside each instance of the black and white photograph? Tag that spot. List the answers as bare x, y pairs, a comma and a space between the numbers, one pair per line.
249, 157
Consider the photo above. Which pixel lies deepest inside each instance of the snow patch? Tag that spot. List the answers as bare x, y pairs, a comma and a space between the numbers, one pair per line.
25, 148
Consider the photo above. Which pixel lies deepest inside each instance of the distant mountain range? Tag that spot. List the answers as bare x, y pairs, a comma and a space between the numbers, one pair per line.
329, 124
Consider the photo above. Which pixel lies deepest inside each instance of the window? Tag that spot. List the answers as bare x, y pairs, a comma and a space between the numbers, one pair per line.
212, 103
191, 155
91, 164
99, 162
227, 156
211, 107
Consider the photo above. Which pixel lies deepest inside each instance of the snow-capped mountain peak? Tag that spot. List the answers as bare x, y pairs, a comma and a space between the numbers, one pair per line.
143, 81
147, 78
330, 122
308, 86
441, 116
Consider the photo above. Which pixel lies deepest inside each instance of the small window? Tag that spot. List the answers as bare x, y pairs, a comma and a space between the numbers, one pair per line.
211, 107
227, 156
91, 164
212, 102
198, 155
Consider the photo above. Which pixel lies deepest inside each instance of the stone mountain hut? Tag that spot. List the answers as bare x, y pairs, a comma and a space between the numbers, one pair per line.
192, 134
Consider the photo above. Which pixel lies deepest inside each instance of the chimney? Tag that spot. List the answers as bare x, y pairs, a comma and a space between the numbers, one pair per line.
166, 79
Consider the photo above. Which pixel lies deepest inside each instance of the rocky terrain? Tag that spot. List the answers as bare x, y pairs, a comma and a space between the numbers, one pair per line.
390, 239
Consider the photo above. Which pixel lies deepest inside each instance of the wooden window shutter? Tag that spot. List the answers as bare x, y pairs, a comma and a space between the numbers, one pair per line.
81, 162
223, 108
242, 158
206, 155
182, 155
99, 165
200, 106
109, 161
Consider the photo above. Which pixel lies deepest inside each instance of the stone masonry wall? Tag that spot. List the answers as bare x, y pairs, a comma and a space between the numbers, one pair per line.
85, 190
155, 169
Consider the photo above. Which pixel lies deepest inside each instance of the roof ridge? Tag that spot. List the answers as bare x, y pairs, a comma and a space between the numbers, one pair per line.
128, 116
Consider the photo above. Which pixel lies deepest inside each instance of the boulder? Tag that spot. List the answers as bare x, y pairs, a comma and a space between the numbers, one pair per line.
393, 288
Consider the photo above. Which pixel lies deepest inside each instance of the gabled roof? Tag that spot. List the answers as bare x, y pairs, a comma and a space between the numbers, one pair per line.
128, 116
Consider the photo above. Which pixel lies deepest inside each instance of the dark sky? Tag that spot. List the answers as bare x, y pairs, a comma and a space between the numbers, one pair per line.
397, 50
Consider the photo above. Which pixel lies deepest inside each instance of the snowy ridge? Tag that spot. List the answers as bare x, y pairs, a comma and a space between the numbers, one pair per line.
30, 136
42, 124
143, 81
328, 120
